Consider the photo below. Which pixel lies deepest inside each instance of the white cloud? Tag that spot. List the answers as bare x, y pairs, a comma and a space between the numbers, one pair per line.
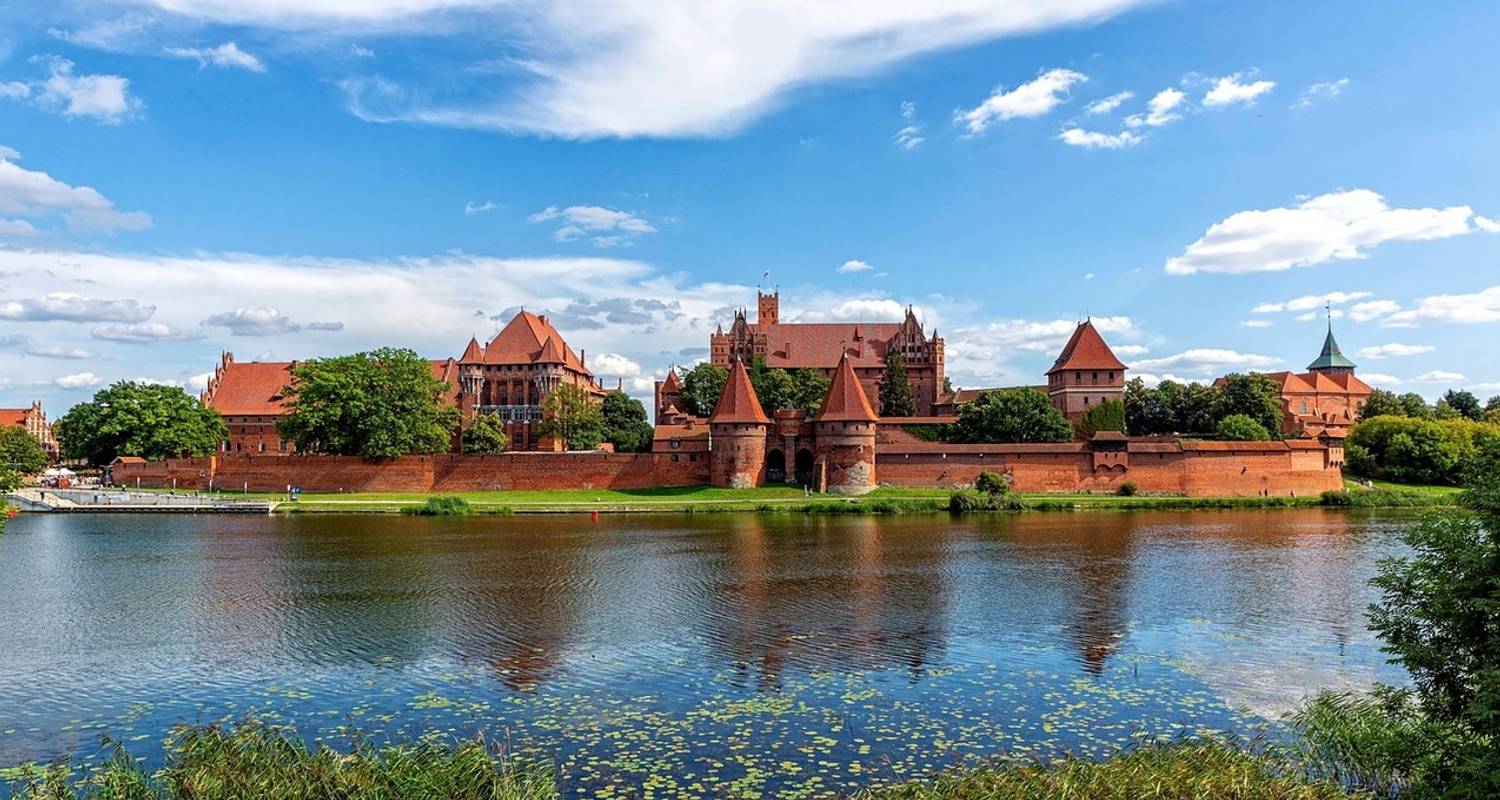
472, 207
105, 98
254, 322
1309, 301
14, 90
581, 221
1481, 306
1130, 350
55, 351
1208, 361
1320, 91
980, 354
1096, 140
1257, 323
35, 194
1228, 90
910, 136
1160, 110
1312, 315
1486, 224
1034, 98
80, 380
1380, 379
142, 333
1108, 104
1394, 350
1373, 309
854, 265
1152, 379
226, 55
614, 365
17, 228
69, 307
1438, 376
1335, 226
856, 310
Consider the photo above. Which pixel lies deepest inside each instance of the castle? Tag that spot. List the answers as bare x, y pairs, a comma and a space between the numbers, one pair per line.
34, 421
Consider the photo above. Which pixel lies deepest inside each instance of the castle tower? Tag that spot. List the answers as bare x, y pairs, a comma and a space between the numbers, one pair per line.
845, 434
1331, 361
668, 395
1086, 374
767, 308
737, 459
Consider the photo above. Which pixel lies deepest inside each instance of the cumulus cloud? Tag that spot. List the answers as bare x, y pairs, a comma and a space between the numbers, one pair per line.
227, 55
60, 352
1309, 301
1330, 227
857, 310
104, 98
1380, 379
910, 136
1229, 90
142, 333
1095, 140
1394, 350
1439, 376
1161, 109
981, 353
79, 380
324, 326
1208, 361
254, 322
1481, 306
69, 307
1130, 350
614, 365
1257, 323
1034, 98
1108, 104
606, 226
854, 265
1373, 309
1320, 91
35, 194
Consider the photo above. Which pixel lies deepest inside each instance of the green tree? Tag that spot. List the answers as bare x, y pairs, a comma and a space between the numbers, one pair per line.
1254, 396
1149, 412
1417, 450
486, 434
1416, 406
773, 387
895, 390
625, 424
1441, 411
571, 414
1383, 403
1241, 428
701, 387
1024, 415
1106, 416
136, 419
379, 404
1465, 403
809, 387
21, 452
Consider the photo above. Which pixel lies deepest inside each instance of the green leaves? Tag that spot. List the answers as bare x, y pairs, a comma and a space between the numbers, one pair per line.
895, 390
1025, 415
625, 424
380, 404
1242, 428
134, 419
570, 413
20, 452
701, 387
486, 434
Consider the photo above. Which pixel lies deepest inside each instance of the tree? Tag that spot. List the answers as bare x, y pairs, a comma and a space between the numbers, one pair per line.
1241, 428
625, 424
136, 419
1441, 411
774, 388
1106, 416
1416, 406
1024, 415
571, 414
486, 434
1383, 403
895, 390
1147, 412
1254, 396
21, 452
809, 387
1464, 402
1417, 450
379, 404
701, 387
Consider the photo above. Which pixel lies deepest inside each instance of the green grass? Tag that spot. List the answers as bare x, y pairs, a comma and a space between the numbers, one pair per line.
255, 760
1205, 770
1412, 488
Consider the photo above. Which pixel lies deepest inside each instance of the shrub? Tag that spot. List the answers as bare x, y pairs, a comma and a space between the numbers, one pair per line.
1242, 428
1127, 489
992, 483
968, 500
1106, 416
444, 506
1337, 497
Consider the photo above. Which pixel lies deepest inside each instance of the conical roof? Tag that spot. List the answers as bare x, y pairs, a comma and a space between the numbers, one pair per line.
738, 403
1331, 357
671, 384
472, 353
1086, 350
551, 353
846, 401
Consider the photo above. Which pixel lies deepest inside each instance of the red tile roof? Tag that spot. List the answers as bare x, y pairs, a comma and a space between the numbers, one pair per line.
738, 403
473, 354
1086, 350
13, 416
818, 344
524, 340
846, 401
671, 384
253, 388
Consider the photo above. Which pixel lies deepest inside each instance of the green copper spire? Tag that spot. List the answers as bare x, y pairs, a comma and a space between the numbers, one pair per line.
1331, 357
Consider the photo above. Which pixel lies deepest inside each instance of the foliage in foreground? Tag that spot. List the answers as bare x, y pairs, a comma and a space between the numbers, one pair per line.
254, 760
1207, 770
137, 419
20, 455
441, 506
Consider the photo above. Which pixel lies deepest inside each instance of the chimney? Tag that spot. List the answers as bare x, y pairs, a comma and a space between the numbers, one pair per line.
583, 356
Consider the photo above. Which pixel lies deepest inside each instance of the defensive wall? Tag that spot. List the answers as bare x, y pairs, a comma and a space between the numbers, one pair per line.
1202, 469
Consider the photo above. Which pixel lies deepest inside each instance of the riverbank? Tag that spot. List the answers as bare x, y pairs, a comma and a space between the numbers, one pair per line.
793, 500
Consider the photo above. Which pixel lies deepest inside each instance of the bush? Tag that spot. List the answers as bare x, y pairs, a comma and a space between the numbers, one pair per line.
968, 500
1106, 416
1411, 450
1337, 497
444, 506
1127, 489
992, 483
1241, 428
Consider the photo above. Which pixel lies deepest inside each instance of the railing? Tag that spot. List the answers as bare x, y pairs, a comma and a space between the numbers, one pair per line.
514, 413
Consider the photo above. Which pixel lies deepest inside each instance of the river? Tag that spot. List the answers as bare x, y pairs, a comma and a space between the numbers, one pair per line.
707, 654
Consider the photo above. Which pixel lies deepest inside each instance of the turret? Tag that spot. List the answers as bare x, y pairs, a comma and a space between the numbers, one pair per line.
845, 433
738, 430
1086, 374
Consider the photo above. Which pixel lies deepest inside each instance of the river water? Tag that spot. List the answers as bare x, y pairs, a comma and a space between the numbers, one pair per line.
680, 654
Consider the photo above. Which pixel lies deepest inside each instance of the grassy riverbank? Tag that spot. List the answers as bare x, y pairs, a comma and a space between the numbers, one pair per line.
256, 760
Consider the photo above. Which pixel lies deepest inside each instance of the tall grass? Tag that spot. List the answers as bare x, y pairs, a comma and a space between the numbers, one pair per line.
441, 506
255, 760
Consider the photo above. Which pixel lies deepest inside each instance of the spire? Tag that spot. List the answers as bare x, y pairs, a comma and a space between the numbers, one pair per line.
671, 384
472, 353
1331, 357
738, 403
846, 400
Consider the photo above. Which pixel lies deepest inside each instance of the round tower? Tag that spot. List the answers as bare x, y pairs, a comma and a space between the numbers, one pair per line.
845, 434
737, 456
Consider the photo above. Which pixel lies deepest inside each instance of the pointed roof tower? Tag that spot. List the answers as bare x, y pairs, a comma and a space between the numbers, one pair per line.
738, 403
551, 353
671, 384
846, 401
472, 354
1086, 350
1331, 357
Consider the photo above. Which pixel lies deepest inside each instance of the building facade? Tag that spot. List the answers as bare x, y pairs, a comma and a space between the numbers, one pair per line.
34, 421
1327, 398
1085, 374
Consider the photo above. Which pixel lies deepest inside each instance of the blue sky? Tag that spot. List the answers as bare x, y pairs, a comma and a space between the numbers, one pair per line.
287, 180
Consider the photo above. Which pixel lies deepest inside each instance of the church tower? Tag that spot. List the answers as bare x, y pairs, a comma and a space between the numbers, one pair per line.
1331, 361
